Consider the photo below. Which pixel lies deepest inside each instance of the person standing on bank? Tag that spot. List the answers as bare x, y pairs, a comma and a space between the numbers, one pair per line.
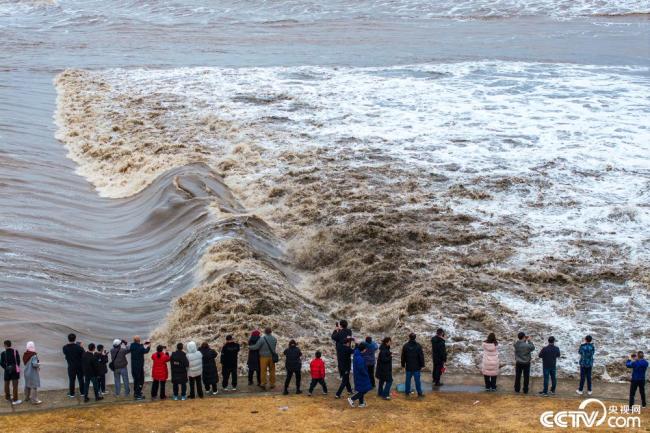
10, 363
268, 357
384, 371
31, 374
439, 355
413, 363
138, 351
229, 354
90, 368
293, 365
159, 372
340, 335
490, 362
253, 361
119, 366
179, 365
586, 352
73, 353
210, 375
549, 354
344, 360
639, 367
102, 362
369, 356
523, 354
317, 371
195, 370
361, 377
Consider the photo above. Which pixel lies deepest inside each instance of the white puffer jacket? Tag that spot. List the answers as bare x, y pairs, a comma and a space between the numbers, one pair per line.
196, 360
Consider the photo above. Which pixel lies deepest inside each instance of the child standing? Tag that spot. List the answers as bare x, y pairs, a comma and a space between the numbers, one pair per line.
317, 370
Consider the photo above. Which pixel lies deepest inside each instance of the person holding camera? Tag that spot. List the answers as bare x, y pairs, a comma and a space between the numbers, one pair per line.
344, 360
73, 351
102, 362
523, 356
639, 367
586, 352
159, 372
549, 354
138, 350
119, 365
90, 369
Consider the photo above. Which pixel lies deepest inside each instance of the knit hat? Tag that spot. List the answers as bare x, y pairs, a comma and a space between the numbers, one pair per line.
256, 333
117, 342
30, 346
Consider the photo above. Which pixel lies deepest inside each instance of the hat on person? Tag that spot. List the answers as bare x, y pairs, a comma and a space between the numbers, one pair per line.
117, 342
256, 333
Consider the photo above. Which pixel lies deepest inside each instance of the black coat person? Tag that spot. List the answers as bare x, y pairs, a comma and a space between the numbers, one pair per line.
439, 355
73, 352
179, 364
90, 369
138, 351
229, 355
384, 370
253, 362
210, 375
293, 365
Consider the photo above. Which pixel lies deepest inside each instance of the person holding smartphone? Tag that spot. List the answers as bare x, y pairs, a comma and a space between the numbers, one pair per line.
138, 350
639, 367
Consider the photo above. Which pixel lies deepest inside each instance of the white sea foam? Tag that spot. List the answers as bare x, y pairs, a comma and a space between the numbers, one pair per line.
571, 142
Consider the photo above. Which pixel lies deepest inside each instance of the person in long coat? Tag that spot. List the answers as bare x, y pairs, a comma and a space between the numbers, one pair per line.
31, 374
490, 362
179, 366
384, 370
210, 374
253, 362
360, 374
159, 372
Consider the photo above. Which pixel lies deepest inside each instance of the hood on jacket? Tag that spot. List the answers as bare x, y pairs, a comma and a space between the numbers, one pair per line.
191, 347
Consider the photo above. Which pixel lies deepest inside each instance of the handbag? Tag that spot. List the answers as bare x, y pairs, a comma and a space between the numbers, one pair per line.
111, 364
274, 356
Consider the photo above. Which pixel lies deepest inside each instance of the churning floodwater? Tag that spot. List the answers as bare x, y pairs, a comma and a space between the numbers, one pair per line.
188, 169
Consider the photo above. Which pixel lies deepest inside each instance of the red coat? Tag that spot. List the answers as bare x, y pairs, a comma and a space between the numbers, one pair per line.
317, 368
159, 371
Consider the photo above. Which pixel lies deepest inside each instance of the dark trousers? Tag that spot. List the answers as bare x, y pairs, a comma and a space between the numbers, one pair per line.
195, 381
75, 374
155, 385
250, 376
490, 382
345, 384
210, 386
287, 381
549, 373
437, 372
227, 372
88, 381
101, 383
183, 386
585, 374
371, 374
138, 381
14, 388
522, 368
358, 396
640, 385
383, 390
315, 382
